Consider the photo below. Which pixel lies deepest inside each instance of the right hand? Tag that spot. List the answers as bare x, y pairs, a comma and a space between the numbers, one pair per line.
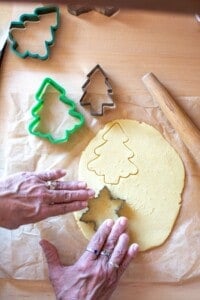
95, 275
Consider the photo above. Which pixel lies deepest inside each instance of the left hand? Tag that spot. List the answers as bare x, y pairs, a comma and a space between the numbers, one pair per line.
29, 197
96, 274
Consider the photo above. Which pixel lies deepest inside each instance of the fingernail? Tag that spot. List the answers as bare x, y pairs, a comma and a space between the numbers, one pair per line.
123, 221
63, 171
109, 222
84, 204
134, 248
91, 193
82, 184
42, 242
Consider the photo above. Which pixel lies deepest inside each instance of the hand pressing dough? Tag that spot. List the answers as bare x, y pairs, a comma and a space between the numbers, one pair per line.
147, 173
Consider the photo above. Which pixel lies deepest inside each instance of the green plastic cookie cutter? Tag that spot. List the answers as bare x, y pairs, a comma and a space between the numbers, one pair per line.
33, 126
35, 17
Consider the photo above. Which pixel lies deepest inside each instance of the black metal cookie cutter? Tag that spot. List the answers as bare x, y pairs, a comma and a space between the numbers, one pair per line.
85, 102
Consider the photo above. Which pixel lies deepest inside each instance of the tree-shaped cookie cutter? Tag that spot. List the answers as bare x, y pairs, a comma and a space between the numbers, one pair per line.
77, 10
83, 100
34, 17
33, 126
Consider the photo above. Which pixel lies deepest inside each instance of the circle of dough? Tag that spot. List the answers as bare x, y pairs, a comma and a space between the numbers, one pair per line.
153, 195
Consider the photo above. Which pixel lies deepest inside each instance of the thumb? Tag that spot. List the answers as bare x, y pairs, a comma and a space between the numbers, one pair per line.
51, 255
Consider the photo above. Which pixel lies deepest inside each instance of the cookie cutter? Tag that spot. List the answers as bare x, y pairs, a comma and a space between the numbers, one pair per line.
92, 202
108, 11
197, 16
77, 10
83, 100
47, 82
34, 17
3, 46
2, 52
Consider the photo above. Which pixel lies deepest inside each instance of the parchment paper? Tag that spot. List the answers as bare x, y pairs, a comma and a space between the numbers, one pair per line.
176, 261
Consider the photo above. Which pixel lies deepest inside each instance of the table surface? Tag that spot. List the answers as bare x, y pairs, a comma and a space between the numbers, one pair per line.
166, 44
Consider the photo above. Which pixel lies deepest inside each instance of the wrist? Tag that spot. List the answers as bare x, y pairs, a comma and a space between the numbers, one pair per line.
6, 217
76, 294
66, 296
2, 214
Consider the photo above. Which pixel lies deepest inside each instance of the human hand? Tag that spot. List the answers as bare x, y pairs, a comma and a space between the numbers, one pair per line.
30, 197
96, 274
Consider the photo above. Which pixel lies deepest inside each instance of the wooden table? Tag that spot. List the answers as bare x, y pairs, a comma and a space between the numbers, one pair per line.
128, 45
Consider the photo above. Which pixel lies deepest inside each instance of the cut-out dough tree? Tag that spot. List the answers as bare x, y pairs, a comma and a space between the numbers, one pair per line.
97, 92
115, 151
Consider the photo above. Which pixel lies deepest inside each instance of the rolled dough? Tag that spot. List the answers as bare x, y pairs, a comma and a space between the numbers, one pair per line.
147, 173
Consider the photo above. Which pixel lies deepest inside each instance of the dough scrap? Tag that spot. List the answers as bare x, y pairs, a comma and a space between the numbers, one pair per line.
152, 195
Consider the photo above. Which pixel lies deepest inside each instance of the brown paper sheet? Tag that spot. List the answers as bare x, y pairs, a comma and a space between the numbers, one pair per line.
171, 262
178, 260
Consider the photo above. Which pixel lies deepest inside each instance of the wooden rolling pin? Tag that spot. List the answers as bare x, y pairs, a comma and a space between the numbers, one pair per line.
188, 132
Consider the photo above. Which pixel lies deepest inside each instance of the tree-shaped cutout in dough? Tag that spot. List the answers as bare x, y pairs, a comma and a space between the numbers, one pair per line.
101, 208
116, 153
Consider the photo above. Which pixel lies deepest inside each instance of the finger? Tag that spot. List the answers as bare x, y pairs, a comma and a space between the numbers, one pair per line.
70, 185
119, 227
131, 254
51, 255
51, 175
62, 208
68, 196
119, 252
98, 240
